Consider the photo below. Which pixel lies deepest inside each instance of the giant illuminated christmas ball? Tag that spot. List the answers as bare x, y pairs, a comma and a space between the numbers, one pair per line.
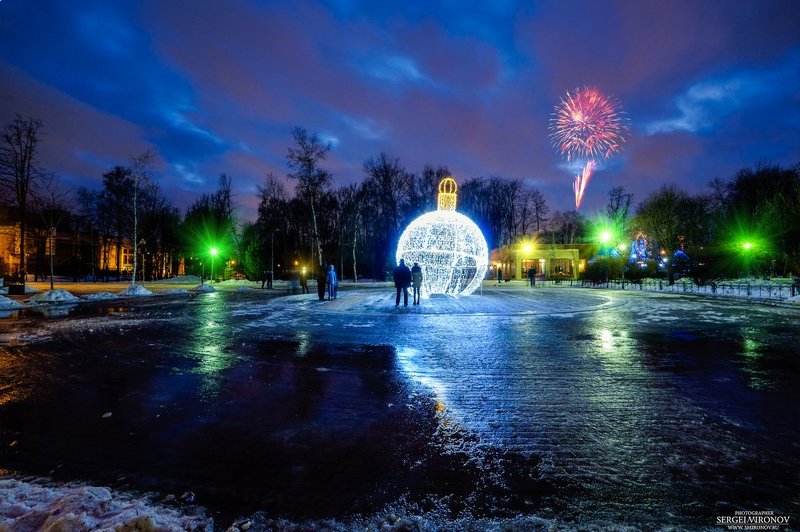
447, 245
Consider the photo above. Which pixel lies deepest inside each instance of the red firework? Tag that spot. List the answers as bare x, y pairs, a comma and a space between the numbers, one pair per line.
588, 124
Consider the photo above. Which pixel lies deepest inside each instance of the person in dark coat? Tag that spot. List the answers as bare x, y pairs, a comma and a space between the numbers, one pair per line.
532, 276
303, 282
402, 280
416, 281
332, 282
499, 275
263, 278
322, 276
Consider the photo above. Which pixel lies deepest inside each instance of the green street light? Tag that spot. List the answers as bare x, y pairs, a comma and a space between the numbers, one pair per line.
747, 246
213, 254
605, 237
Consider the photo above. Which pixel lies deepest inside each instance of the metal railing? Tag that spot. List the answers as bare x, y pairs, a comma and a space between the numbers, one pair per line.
756, 290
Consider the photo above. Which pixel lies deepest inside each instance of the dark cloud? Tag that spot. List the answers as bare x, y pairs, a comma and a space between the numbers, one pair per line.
216, 87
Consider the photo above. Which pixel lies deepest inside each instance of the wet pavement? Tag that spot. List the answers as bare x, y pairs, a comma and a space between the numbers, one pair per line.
576, 405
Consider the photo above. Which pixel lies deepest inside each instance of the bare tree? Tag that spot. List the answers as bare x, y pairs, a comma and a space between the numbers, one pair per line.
141, 170
19, 170
312, 181
618, 208
52, 204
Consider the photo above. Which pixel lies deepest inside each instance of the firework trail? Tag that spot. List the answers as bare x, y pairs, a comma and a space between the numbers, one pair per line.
587, 125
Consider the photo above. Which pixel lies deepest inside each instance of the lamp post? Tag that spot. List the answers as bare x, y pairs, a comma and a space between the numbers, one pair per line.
605, 237
272, 258
747, 246
213, 254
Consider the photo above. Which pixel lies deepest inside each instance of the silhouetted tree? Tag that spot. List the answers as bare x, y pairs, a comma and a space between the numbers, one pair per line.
19, 170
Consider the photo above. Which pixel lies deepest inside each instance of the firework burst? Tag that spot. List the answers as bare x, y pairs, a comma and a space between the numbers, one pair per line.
587, 125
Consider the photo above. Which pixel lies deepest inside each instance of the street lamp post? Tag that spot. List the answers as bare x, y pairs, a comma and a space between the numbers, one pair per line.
605, 237
747, 246
213, 254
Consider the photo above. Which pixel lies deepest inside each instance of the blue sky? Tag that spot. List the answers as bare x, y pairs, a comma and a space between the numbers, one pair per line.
709, 87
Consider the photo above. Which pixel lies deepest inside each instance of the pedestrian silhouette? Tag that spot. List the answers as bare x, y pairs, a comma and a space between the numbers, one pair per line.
416, 281
402, 280
332, 282
304, 281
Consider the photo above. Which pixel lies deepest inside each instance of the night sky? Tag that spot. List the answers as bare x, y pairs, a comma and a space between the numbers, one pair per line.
709, 87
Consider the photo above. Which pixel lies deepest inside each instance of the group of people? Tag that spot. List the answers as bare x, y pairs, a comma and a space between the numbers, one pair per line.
326, 281
405, 277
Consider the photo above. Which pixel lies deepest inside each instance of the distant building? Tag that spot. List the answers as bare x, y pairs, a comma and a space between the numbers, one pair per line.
552, 261
75, 254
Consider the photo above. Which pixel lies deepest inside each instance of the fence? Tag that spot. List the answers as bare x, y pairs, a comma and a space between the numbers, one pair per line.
765, 291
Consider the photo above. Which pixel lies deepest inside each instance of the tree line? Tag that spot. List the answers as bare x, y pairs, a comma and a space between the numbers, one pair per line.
304, 220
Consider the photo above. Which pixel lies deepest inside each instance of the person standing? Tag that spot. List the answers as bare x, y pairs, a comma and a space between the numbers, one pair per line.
268, 273
331, 283
322, 276
263, 278
416, 281
303, 282
499, 275
402, 280
532, 276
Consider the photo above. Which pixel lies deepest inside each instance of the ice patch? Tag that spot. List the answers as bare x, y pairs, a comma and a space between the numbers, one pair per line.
100, 296
54, 296
136, 291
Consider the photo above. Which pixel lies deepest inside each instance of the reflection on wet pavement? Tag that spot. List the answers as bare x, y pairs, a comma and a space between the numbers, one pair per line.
622, 408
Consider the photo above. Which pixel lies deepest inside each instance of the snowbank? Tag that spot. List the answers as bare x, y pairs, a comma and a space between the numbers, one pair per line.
204, 288
54, 296
136, 291
29, 506
180, 279
9, 304
100, 296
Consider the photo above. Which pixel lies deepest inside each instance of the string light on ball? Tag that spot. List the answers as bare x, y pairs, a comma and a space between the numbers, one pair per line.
448, 246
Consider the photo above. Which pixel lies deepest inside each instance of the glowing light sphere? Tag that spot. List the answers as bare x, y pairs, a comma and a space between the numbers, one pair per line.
448, 246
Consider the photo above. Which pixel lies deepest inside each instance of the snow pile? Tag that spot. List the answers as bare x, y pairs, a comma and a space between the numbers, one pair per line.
244, 289
27, 506
173, 292
9, 304
100, 296
136, 290
54, 296
180, 279
204, 288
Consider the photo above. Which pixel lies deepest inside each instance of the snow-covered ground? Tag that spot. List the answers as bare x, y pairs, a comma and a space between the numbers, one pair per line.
136, 291
53, 296
35, 505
